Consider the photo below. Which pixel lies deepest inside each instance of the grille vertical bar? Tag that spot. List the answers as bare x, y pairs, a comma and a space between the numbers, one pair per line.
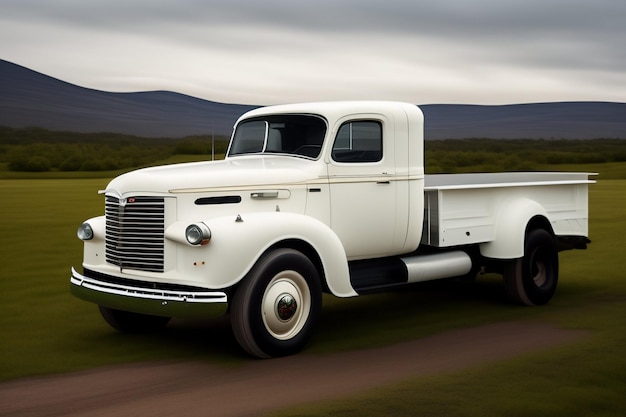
135, 230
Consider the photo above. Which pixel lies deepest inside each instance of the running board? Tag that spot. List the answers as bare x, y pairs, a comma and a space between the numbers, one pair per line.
380, 274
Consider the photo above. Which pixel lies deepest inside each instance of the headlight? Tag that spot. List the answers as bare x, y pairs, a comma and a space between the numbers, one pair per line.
198, 234
85, 232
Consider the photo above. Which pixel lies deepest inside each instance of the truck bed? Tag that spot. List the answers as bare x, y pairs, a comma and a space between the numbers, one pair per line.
463, 209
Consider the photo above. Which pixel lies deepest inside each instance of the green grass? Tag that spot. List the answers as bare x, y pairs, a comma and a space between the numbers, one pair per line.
46, 330
606, 171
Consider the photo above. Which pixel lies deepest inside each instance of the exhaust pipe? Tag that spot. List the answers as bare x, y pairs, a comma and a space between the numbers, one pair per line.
437, 266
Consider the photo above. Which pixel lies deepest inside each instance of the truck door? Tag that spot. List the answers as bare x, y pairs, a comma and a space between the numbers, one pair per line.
363, 189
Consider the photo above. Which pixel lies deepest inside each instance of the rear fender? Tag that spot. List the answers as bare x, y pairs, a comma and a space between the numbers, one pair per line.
510, 230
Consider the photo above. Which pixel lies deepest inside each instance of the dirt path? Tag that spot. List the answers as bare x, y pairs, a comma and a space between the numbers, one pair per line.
194, 388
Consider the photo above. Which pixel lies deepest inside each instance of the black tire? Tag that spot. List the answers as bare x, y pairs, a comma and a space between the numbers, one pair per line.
129, 322
532, 279
276, 307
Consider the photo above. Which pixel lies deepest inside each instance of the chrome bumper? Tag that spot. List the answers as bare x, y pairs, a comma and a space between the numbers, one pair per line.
157, 302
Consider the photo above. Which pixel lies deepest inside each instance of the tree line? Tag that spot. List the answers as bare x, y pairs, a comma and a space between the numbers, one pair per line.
494, 155
41, 150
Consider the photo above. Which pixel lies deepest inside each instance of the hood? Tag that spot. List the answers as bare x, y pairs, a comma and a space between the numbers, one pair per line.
246, 171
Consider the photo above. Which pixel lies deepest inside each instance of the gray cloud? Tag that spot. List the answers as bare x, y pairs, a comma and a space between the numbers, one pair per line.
449, 50
448, 18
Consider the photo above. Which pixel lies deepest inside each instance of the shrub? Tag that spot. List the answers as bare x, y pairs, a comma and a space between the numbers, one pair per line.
38, 163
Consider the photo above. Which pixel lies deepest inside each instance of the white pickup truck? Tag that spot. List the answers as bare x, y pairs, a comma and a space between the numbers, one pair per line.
312, 198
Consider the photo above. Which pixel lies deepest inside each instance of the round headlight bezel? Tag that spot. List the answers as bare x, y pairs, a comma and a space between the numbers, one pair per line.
198, 234
85, 232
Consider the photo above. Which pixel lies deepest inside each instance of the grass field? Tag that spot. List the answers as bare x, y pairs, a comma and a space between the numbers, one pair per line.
46, 330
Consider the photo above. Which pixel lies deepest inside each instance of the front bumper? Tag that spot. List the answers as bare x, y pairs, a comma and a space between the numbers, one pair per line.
188, 302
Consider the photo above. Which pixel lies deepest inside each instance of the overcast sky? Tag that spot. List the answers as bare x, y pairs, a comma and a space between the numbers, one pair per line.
270, 51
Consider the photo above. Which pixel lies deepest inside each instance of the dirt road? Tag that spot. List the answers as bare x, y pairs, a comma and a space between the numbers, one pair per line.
260, 386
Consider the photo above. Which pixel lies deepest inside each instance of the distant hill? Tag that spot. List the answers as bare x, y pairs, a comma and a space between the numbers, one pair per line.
29, 98
571, 120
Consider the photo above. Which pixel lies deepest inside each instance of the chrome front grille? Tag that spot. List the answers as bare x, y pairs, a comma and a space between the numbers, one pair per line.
135, 228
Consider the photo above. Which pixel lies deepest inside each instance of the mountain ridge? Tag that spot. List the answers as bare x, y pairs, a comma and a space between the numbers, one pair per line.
32, 99
29, 98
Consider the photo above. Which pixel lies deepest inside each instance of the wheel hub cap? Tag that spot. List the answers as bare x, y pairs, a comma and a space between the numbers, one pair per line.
286, 307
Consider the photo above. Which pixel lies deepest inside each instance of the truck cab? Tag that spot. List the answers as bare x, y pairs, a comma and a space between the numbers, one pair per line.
370, 160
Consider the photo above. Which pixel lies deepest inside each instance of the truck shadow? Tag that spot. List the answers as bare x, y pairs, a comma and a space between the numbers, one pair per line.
412, 312
356, 323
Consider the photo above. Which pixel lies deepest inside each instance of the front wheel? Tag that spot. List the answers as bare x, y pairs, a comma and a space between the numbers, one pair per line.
129, 322
275, 308
532, 279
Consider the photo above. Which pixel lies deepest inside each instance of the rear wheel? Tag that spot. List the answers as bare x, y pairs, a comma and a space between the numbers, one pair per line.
532, 279
275, 308
129, 322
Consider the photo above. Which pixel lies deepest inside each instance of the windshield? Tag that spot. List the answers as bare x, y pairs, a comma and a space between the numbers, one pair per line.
300, 135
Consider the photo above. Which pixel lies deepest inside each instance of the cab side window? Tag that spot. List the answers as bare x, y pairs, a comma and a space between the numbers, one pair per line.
359, 141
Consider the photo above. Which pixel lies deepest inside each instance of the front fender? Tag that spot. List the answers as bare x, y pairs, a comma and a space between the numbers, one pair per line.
93, 250
510, 229
237, 242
